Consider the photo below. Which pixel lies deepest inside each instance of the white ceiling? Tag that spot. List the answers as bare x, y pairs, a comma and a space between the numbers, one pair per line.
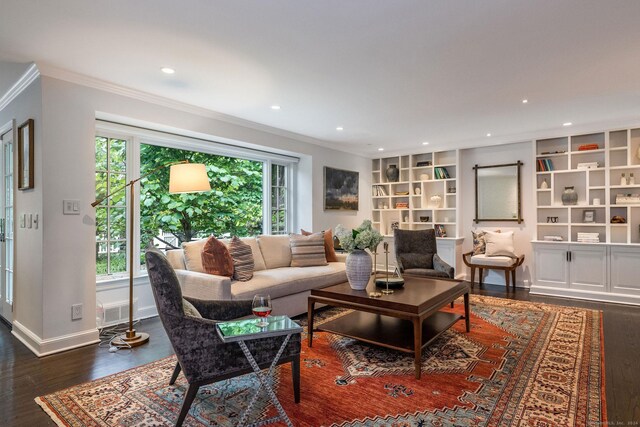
393, 73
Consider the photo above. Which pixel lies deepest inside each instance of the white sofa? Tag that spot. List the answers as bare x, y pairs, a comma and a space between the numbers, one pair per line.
288, 286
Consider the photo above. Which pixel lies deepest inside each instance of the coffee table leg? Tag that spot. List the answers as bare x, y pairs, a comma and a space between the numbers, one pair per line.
467, 319
310, 307
417, 345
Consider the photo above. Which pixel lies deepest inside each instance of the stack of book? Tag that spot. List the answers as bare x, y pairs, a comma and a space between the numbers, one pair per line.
589, 237
441, 173
553, 238
545, 165
587, 147
378, 190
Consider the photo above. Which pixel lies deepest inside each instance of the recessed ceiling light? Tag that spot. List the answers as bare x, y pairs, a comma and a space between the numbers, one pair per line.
425, 143
339, 128
567, 124
167, 70
380, 149
488, 134
525, 101
275, 107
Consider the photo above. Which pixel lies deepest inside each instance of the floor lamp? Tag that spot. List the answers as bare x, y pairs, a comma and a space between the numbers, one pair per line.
184, 177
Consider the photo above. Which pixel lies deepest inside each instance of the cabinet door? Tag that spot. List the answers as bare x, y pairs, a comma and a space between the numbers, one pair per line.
625, 270
551, 266
588, 268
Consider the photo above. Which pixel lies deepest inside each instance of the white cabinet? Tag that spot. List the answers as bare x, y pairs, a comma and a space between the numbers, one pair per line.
598, 272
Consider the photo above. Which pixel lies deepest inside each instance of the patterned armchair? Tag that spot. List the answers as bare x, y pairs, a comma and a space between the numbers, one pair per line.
202, 356
416, 253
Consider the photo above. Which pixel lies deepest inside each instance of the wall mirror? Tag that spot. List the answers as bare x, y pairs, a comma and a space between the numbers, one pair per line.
498, 193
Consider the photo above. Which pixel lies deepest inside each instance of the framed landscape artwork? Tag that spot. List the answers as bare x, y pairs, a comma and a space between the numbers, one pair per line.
25, 155
340, 189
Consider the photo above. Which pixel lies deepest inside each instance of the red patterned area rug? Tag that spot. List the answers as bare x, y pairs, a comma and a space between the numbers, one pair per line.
522, 364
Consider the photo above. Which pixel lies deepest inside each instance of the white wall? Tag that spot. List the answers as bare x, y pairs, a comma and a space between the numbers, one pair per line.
524, 232
66, 144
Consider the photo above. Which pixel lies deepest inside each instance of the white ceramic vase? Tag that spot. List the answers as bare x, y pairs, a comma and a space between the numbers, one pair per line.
358, 268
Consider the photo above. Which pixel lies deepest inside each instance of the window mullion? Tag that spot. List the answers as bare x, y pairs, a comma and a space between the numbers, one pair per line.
266, 201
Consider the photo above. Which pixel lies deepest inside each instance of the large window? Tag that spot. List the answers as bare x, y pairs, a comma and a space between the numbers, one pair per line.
250, 196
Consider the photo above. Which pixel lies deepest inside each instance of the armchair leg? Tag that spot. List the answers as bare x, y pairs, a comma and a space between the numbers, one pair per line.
473, 276
295, 372
480, 279
188, 400
513, 278
175, 374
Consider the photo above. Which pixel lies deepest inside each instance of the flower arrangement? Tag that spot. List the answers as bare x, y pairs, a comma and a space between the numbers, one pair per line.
363, 237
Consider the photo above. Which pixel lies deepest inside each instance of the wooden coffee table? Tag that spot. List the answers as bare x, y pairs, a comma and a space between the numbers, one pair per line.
407, 320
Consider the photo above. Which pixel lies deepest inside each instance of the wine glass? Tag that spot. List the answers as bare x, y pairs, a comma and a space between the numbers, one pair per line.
261, 308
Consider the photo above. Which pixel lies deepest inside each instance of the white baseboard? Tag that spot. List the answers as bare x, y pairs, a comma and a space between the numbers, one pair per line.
44, 347
585, 295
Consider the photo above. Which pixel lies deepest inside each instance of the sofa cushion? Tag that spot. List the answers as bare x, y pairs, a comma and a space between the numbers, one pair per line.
329, 250
500, 244
307, 251
242, 259
193, 255
276, 251
216, 258
280, 282
492, 261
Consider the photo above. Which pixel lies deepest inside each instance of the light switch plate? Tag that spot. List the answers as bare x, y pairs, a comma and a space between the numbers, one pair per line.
71, 207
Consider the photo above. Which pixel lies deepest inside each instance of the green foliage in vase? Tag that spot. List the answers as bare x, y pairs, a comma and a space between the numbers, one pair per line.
363, 237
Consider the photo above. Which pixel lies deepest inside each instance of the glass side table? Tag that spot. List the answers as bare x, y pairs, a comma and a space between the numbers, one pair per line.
244, 330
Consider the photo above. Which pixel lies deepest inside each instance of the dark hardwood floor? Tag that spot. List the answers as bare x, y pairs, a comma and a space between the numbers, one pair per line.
23, 376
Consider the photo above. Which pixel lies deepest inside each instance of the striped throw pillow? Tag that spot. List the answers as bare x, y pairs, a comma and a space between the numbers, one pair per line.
243, 264
307, 251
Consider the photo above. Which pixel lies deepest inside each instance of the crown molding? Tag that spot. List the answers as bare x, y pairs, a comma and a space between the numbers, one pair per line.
92, 82
20, 85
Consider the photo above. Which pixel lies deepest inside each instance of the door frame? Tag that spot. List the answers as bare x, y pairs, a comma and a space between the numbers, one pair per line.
6, 310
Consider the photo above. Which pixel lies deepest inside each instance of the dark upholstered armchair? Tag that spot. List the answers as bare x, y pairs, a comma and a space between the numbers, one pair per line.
416, 253
202, 356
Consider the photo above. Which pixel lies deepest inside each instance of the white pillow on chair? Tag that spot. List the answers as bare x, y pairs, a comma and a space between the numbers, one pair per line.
500, 244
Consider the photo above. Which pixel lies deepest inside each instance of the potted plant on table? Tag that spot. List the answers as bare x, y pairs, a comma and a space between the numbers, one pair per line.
355, 242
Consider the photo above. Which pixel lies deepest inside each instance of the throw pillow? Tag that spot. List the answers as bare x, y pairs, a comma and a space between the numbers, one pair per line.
242, 255
216, 258
500, 244
276, 250
193, 255
307, 251
479, 244
189, 309
329, 251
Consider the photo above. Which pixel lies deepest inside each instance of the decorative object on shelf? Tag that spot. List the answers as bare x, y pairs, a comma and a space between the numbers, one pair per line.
401, 193
423, 163
358, 263
25, 155
184, 177
393, 173
587, 147
589, 216
402, 205
552, 219
389, 283
553, 152
424, 219
627, 199
451, 190
544, 185
623, 180
596, 202
340, 189
588, 165
406, 218
569, 196
632, 180
385, 206
395, 225
440, 230
436, 200
424, 177
617, 219
417, 191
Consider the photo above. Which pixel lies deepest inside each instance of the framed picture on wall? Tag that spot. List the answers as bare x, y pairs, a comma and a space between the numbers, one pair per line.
340, 189
25, 155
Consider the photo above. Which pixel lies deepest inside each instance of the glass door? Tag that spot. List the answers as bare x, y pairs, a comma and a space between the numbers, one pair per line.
6, 228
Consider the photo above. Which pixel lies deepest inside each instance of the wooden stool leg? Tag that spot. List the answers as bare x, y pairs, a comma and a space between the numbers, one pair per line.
506, 278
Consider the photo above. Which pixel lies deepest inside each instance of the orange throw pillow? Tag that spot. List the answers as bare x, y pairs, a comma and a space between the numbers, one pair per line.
216, 258
329, 252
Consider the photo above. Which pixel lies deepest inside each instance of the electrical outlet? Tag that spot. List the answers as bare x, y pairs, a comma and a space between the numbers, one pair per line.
76, 312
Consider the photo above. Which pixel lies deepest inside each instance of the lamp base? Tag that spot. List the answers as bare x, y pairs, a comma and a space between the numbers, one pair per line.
131, 339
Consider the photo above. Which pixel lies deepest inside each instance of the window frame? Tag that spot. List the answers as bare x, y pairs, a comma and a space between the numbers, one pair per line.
136, 136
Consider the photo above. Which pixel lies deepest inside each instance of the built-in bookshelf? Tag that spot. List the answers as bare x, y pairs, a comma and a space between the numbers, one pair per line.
424, 196
593, 164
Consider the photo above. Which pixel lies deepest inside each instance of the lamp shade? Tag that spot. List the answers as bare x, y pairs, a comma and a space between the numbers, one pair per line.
188, 178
